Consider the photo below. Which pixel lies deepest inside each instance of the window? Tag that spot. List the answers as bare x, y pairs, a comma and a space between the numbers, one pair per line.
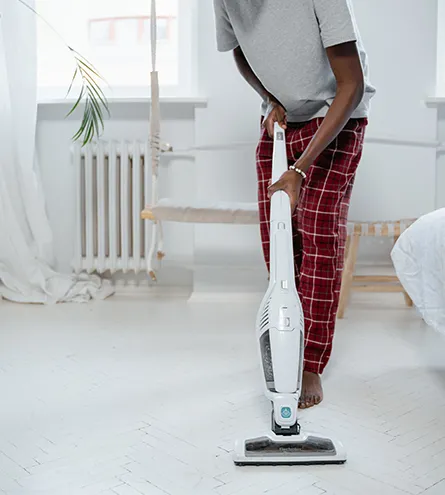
130, 31
115, 36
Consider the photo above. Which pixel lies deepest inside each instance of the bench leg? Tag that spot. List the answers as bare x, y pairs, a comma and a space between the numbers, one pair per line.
348, 273
408, 300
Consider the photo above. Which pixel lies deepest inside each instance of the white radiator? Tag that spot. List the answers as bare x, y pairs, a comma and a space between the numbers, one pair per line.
113, 183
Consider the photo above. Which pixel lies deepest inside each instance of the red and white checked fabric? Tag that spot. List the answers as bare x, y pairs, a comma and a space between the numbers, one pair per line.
319, 224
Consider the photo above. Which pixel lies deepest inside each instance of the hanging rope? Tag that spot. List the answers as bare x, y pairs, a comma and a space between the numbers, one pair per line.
155, 140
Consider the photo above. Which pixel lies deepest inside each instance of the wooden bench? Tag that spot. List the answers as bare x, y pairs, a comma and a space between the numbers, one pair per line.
369, 283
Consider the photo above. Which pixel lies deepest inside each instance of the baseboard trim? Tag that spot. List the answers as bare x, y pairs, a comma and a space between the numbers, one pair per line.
145, 290
187, 293
199, 290
225, 297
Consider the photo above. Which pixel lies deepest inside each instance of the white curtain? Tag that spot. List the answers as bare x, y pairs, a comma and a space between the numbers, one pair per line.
26, 254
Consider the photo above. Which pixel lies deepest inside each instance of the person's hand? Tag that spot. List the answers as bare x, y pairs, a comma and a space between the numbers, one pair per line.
274, 113
290, 182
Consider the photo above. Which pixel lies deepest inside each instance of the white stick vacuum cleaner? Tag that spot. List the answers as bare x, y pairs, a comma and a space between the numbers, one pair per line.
280, 332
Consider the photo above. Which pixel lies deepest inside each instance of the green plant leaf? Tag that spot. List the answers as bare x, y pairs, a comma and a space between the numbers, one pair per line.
96, 103
89, 68
89, 133
72, 81
79, 99
97, 116
84, 123
98, 92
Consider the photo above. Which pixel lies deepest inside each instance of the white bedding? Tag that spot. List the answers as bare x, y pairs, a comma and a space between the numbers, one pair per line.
419, 260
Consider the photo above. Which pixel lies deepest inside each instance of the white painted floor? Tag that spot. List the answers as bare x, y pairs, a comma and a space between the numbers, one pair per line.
135, 396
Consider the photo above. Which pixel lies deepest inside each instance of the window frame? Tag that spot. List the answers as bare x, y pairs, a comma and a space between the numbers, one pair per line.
140, 25
187, 67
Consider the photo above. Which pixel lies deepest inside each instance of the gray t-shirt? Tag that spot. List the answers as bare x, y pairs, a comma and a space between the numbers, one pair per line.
284, 42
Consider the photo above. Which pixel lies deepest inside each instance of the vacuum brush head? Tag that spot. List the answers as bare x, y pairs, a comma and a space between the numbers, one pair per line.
295, 450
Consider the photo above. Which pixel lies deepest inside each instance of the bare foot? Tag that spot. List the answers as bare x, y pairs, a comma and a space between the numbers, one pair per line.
312, 393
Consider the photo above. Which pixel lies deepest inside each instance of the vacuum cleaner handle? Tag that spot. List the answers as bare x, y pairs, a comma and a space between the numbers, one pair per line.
279, 161
281, 245
280, 201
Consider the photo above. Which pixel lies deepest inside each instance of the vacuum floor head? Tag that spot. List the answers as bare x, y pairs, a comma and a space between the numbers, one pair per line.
300, 449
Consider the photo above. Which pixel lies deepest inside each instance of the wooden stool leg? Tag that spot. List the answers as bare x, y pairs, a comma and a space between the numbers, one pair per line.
348, 274
347, 247
408, 300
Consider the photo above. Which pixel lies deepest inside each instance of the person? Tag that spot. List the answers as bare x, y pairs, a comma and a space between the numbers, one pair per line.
306, 60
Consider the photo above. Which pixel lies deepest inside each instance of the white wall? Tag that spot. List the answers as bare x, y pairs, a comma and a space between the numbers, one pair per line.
404, 71
440, 185
393, 181
387, 185
441, 49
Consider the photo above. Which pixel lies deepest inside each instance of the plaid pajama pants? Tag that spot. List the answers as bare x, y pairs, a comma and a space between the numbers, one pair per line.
319, 226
